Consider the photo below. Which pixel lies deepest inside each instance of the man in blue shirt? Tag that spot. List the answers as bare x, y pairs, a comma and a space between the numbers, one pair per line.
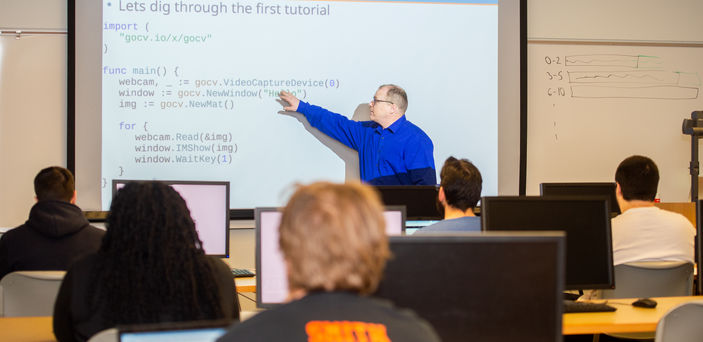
392, 150
459, 191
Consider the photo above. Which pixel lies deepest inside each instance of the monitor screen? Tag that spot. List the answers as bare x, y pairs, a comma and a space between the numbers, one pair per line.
420, 201
208, 203
589, 250
606, 190
480, 287
271, 280
197, 331
191, 335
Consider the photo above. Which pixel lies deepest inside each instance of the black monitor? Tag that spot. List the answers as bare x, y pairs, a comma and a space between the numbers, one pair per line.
605, 189
586, 221
271, 279
208, 202
486, 287
420, 201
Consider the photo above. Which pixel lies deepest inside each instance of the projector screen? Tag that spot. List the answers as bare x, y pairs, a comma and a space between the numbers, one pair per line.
188, 89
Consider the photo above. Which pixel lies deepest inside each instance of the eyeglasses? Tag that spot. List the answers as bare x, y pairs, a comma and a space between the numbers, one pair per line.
374, 100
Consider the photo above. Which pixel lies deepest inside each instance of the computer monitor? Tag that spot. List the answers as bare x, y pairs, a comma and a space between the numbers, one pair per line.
589, 248
420, 201
485, 287
196, 331
411, 226
606, 190
208, 203
271, 280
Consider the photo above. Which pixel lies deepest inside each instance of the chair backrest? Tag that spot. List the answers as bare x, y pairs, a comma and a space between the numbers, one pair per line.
107, 335
652, 279
681, 324
30, 293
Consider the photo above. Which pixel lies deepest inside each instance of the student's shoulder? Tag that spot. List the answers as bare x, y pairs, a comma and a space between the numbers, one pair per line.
402, 324
8, 235
269, 325
83, 266
675, 217
18, 237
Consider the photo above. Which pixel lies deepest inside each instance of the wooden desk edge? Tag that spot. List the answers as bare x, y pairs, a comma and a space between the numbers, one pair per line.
577, 327
245, 284
588, 329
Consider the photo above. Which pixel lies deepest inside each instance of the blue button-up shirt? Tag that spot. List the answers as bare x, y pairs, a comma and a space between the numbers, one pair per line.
398, 155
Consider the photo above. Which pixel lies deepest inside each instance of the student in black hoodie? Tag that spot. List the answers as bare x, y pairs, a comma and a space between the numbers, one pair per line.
56, 232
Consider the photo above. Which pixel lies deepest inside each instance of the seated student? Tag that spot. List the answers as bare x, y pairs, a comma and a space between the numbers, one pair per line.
644, 232
333, 240
150, 268
459, 192
56, 233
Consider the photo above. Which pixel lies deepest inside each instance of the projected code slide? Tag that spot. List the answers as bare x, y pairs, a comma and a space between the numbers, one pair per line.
190, 87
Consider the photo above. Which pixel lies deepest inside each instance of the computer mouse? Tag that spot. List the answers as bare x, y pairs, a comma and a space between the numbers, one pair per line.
645, 303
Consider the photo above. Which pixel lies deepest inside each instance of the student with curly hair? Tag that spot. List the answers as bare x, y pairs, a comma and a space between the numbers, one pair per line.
150, 268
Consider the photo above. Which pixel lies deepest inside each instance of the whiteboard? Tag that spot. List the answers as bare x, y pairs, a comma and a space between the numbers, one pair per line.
590, 106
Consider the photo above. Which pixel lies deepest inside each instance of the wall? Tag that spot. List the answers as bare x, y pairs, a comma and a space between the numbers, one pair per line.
33, 132
607, 80
32, 101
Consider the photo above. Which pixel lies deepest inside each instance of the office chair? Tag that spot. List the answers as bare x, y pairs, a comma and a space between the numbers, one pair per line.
30, 293
650, 279
681, 324
107, 335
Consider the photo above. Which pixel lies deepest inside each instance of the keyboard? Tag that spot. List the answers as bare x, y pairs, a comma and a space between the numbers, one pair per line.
572, 306
242, 272
571, 296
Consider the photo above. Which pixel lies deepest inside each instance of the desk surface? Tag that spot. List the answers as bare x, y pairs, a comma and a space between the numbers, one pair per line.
26, 329
625, 319
39, 329
245, 284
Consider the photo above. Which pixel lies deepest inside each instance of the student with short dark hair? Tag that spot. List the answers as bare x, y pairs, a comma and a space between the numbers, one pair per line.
150, 268
333, 239
56, 233
644, 232
459, 192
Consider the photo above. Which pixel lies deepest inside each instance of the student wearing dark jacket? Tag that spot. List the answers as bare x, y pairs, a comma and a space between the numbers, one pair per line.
56, 233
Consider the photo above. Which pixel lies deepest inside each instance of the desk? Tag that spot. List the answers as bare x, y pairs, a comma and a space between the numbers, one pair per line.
39, 329
626, 319
245, 284
26, 329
